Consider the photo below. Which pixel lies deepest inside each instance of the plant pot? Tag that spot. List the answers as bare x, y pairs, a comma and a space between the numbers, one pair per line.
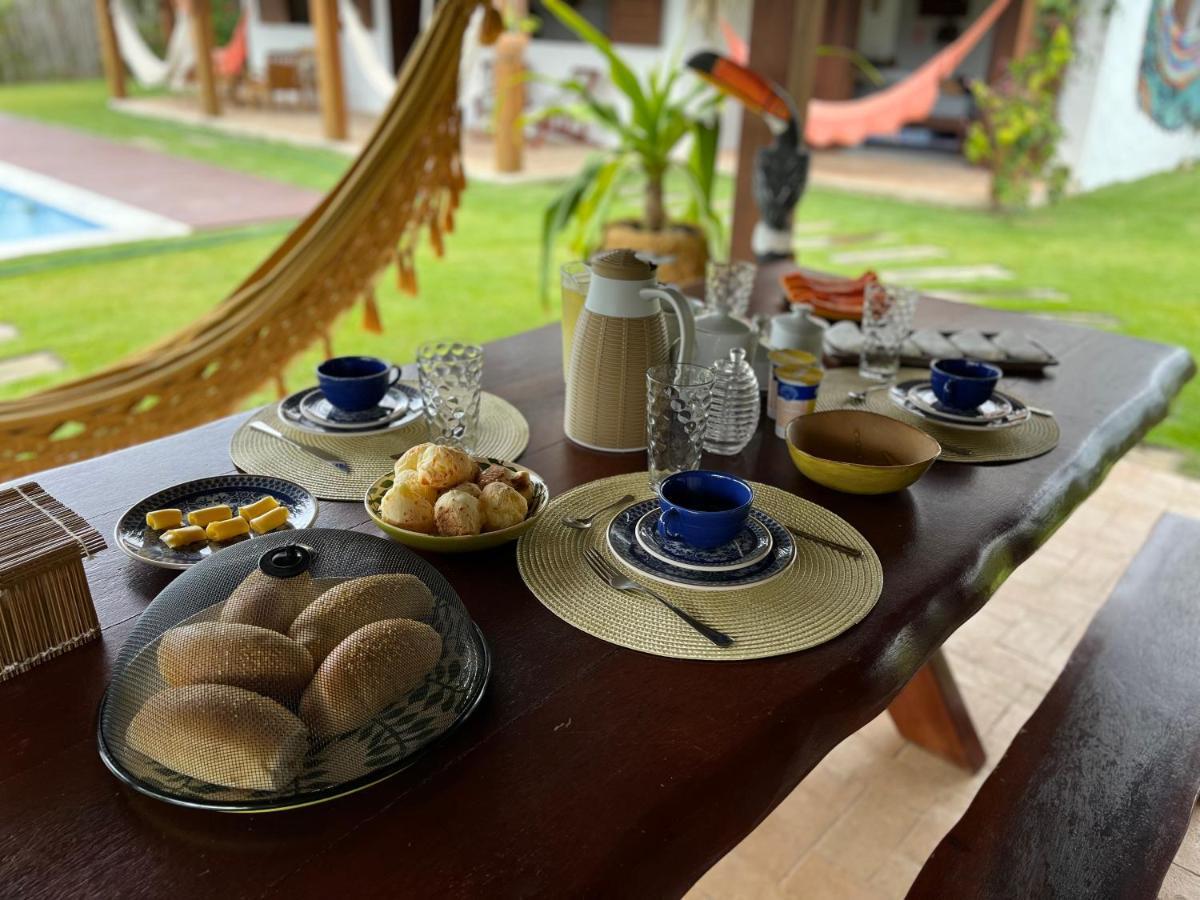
686, 245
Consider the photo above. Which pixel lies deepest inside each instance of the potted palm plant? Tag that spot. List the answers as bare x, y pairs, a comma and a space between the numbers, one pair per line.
647, 133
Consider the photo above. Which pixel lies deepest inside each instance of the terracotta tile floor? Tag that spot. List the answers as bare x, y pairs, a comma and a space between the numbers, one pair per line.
864, 821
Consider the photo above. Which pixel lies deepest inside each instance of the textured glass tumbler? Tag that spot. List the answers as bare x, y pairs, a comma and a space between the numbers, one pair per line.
678, 398
450, 375
887, 320
728, 286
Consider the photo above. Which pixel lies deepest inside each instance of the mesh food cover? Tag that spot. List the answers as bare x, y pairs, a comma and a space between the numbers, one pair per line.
288, 670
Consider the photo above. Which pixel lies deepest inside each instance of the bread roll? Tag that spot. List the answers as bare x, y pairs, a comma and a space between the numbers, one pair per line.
502, 506
411, 457
221, 734
412, 480
269, 602
457, 513
442, 467
244, 656
405, 506
347, 607
377, 666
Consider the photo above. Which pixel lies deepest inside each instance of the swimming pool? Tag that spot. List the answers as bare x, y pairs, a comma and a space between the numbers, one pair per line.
22, 218
39, 214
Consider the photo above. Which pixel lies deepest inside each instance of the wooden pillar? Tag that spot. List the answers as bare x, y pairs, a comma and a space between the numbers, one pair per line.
202, 40
509, 69
784, 35
1011, 36
332, 91
110, 54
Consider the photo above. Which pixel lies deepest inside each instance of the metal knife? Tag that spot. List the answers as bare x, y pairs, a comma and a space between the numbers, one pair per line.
340, 464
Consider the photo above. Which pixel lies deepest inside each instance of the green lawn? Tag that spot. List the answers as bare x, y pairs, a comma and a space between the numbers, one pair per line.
1126, 254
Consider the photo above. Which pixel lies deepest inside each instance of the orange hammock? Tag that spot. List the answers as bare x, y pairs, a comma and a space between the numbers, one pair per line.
231, 59
846, 123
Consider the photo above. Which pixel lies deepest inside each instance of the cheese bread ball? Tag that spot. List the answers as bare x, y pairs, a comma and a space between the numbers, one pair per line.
467, 487
502, 506
405, 507
518, 481
413, 480
411, 457
442, 467
457, 513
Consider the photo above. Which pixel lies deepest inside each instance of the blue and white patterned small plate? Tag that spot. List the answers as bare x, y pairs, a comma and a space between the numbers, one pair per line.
141, 542
751, 544
622, 540
296, 409
900, 395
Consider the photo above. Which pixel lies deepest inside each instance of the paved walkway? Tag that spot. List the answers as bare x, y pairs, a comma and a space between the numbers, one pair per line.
194, 193
862, 823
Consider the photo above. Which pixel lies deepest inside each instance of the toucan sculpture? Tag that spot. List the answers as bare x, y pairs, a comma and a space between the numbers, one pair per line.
780, 168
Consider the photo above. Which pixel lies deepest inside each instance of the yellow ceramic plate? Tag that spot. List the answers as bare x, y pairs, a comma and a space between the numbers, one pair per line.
465, 543
859, 452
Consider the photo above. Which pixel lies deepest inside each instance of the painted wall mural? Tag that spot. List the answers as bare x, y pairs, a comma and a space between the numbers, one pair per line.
1169, 82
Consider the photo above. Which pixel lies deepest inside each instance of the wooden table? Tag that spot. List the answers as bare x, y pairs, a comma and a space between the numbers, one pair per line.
589, 769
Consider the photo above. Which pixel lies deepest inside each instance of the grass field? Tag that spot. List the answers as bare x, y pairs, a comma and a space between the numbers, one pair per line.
1125, 255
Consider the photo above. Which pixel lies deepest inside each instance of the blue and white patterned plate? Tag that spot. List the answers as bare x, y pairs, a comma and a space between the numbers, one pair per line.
900, 395
141, 542
622, 540
292, 411
751, 545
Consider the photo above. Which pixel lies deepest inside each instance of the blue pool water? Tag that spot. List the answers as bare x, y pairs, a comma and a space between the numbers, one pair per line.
22, 218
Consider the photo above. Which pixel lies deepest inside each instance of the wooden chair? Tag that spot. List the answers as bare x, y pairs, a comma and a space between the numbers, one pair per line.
1094, 795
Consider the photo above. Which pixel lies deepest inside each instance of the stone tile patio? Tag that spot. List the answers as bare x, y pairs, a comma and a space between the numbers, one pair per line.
860, 826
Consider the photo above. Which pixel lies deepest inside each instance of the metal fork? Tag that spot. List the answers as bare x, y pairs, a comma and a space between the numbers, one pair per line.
614, 579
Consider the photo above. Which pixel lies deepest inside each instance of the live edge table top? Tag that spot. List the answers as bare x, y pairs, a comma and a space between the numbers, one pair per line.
589, 769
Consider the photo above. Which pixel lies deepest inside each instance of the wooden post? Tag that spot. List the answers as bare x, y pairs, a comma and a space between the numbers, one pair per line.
110, 54
202, 39
332, 91
509, 69
784, 35
1012, 33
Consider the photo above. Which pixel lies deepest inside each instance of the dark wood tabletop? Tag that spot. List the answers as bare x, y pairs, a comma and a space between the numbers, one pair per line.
589, 770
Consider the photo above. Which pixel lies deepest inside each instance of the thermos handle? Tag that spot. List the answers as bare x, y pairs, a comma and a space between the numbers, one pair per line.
683, 312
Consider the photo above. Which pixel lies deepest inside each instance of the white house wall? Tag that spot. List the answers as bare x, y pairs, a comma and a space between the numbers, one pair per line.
1108, 137
265, 38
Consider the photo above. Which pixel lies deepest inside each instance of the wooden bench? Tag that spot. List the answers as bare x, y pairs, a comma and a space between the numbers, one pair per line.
1094, 795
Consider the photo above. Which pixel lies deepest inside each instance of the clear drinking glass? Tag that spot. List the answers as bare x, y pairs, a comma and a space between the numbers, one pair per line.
887, 320
727, 285
450, 375
678, 398
575, 278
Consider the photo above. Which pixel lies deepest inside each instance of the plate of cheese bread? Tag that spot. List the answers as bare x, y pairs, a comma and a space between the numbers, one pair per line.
290, 670
441, 498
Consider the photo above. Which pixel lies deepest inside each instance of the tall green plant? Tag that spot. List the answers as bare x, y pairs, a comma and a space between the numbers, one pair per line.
646, 135
1018, 133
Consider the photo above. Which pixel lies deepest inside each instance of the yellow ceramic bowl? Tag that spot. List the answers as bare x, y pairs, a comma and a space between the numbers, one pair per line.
859, 452
464, 543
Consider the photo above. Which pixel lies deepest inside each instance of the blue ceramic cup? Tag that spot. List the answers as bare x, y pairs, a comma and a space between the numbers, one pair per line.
356, 383
703, 509
963, 383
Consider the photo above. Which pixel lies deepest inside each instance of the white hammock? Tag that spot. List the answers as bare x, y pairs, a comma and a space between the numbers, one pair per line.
377, 76
148, 70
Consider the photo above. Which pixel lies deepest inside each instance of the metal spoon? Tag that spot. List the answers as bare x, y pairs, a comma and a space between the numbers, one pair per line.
583, 523
861, 396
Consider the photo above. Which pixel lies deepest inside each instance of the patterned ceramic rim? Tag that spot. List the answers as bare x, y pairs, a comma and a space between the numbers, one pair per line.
314, 401
762, 539
898, 394
288, 412
301, 504
922, 396
630, 554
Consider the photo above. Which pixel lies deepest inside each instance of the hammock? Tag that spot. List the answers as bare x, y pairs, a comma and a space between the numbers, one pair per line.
846, 123
230, 60
850, 122
147, 68
406, 180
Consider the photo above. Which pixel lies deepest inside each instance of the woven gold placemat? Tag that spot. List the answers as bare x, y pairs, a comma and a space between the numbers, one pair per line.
1033, 437
820, 596
505, 435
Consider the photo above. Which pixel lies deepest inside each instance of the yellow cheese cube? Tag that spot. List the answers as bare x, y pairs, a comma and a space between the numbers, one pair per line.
210, 514
227, 528
161, 519
269, 520
258, 507
181, 537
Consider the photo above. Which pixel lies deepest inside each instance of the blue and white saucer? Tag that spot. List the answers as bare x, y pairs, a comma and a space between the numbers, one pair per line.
917, 397
623, 541
751, 544
141, 542
310, 411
